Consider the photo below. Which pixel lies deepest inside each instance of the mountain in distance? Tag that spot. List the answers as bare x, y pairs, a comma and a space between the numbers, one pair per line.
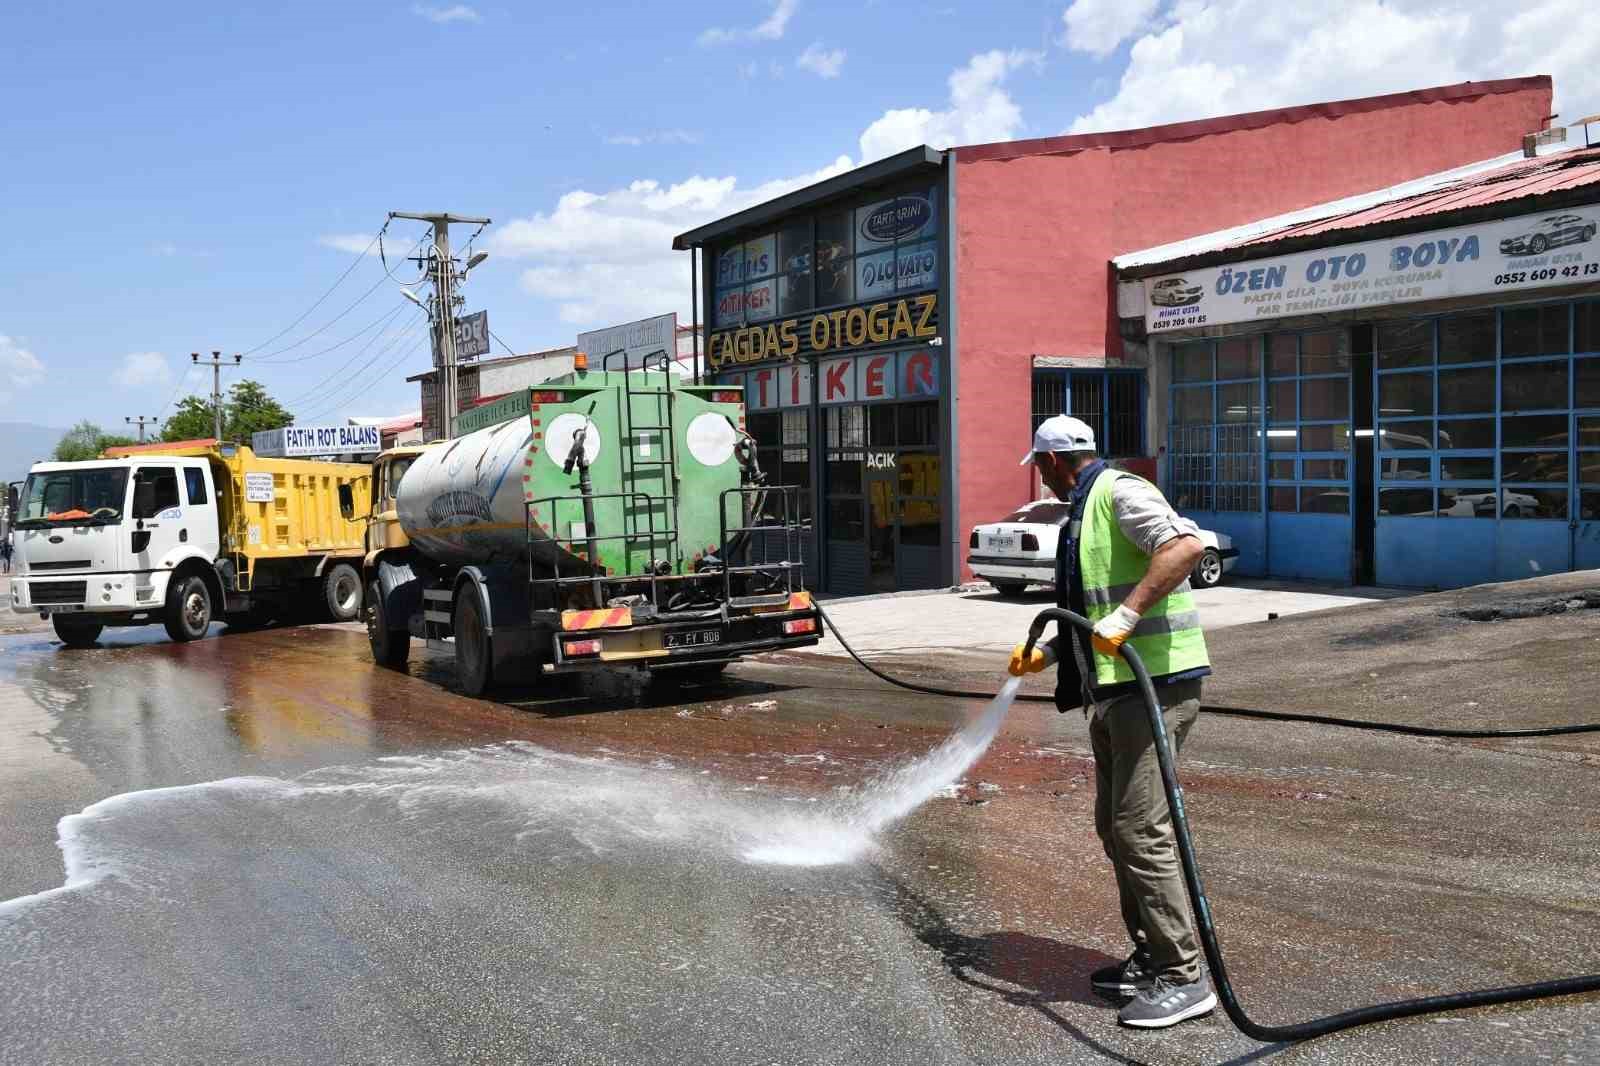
22, 444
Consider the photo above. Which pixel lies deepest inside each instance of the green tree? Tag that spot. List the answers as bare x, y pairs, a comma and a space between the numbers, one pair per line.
191, 421
251, 410
248, 409
85, 441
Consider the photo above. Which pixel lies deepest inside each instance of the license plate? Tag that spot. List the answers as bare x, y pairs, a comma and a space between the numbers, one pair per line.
692, 638
1002, 544
64, 608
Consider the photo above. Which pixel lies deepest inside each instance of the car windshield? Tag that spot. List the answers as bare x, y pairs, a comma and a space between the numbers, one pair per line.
91, 496
1049, 514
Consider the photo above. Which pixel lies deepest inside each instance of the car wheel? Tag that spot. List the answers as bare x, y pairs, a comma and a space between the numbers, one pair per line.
1513, 511
1208, 571
1539, 244
474, 653
1010, 589
1588, 233
390, 647
76, 634
341, 592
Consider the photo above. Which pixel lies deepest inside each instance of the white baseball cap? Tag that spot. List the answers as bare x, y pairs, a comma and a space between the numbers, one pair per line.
1062, 433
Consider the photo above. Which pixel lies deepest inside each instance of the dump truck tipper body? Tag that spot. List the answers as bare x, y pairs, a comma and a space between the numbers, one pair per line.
602, 519
185, 534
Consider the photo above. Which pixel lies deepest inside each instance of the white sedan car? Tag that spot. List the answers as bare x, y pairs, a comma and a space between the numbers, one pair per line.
1020, 549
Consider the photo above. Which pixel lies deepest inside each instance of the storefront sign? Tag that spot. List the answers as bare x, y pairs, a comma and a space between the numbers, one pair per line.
847, 379
316, 440
1513, 254
910, 318
900, 218
638, 339
472, 335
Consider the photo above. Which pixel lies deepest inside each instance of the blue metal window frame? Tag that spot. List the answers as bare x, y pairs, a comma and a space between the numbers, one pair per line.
1066, 374
1300, 482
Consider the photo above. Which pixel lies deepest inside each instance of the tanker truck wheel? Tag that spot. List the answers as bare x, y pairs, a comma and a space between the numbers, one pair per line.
341, 592
390, 647
474, 655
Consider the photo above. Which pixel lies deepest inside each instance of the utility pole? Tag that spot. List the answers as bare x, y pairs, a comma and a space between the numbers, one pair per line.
442, 268
216, 364
141, 421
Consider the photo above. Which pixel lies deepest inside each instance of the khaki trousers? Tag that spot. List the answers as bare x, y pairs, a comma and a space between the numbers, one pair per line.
1134, 822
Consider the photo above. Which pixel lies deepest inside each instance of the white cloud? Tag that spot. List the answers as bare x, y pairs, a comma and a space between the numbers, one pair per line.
769, 29
980, 110
606, 257
824, 63
443, 15
638, 140
1098, 26
19, 368
140, 369
354, 243
1202, 58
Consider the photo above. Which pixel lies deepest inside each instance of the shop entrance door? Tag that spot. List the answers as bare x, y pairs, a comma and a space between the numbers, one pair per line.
881, 476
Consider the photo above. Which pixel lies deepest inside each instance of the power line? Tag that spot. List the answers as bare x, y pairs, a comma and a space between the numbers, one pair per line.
345, 393
341, 368
388, 274
332, 347
323, 297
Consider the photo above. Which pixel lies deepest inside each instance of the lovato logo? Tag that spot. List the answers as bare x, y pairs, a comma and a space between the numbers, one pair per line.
897, 218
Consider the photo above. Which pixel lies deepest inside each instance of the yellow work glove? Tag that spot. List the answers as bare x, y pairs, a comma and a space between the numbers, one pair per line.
1039, 659
1114, 629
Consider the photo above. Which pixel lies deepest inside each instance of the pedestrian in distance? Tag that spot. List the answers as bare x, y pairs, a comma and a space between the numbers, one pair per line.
5, 552
1124, 563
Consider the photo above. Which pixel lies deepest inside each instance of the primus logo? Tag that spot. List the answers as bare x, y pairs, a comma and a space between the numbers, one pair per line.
897, 218
457, 508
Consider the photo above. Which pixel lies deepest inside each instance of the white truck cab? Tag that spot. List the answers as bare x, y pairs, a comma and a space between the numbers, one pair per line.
97, 543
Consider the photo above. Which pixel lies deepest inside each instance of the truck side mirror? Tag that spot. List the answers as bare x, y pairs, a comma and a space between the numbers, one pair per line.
144, 499
347, 502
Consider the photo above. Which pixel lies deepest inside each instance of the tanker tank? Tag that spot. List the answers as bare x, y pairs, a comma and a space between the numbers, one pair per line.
465, 501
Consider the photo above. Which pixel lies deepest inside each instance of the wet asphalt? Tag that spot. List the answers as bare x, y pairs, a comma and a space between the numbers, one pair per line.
289, 855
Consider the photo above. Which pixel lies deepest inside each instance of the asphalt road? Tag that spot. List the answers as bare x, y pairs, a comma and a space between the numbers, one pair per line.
286, 855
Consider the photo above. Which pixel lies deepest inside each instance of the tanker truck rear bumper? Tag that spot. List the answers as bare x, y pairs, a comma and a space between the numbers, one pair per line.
586, 642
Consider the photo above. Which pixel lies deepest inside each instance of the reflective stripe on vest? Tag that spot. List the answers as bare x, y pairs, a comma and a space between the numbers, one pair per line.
1168, 637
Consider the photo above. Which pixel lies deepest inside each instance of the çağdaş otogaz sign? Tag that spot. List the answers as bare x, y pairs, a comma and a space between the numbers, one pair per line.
910, 319
1525, 252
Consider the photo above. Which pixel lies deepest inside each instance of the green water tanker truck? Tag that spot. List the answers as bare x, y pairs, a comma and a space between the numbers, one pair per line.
601, 520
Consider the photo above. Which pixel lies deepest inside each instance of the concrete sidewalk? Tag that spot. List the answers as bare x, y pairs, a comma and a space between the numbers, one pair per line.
984, 621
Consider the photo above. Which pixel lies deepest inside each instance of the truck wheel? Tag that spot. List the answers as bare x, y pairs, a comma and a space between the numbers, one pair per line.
474, 656
1010, 589
390, 647
698, 674
341, 592
1208, 571
188, 613
76, 634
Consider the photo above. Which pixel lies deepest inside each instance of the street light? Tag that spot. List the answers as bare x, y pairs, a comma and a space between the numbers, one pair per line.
414, 298
477, 257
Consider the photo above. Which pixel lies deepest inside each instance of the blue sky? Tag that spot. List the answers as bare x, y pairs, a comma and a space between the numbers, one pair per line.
182, 178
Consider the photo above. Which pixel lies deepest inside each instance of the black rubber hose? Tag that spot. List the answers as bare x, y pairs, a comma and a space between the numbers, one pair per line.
1240, 712
1349, 1019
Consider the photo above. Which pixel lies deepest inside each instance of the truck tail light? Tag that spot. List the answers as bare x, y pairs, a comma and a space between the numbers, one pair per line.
548, 397
581, 649
796, 626
1030, 543
728, 396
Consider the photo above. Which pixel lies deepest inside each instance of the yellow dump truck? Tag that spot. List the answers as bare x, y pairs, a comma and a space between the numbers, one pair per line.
187, 534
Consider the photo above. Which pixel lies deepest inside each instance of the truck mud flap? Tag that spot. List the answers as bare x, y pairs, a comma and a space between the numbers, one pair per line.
401, 590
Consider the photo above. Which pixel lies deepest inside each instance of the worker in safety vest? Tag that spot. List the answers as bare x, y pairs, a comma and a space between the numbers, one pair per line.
1123, 562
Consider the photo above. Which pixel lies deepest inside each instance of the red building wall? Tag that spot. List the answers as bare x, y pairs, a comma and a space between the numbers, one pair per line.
1037, 222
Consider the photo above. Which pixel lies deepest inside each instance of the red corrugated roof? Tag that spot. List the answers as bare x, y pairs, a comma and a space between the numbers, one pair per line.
1522, 180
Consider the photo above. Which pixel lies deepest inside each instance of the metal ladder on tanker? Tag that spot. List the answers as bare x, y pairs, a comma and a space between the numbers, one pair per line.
637, 527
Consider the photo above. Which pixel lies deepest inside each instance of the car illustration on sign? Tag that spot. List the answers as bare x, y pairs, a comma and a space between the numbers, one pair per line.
1175, 292
1549, 232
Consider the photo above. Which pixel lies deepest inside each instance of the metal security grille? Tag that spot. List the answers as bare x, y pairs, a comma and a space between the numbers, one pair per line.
1110, 401
1049, 396
41, 592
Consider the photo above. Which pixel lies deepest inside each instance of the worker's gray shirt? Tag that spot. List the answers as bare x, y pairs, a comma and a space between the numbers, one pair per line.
1144, 515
